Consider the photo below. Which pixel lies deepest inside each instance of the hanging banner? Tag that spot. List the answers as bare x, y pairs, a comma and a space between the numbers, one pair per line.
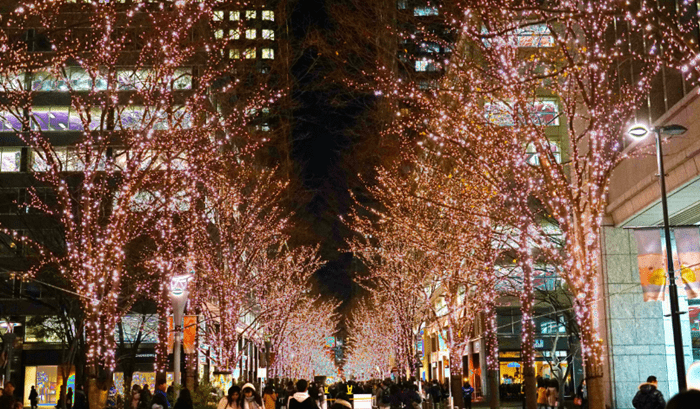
651, 264
189, 333
688, 246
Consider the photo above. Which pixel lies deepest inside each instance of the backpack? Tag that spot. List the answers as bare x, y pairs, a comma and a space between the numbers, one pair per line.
385, 395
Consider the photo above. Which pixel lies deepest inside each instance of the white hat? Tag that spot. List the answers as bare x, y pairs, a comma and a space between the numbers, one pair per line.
248, 385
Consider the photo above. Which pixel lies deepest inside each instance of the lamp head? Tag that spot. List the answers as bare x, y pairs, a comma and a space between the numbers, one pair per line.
674, 129
638, 131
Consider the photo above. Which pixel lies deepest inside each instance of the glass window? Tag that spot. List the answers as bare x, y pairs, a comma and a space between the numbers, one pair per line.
234, 15
249, 54
537, 36
268, 34
402, 4
10, 159
425, 11
234, 53
182, 79
268, 53
235, 34
9, 122
251, 14
250, 33
218, 15
268, 15
541, 112
425, 65
430, 47
219, 34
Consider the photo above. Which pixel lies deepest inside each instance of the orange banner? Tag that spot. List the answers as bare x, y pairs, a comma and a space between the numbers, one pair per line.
189, 334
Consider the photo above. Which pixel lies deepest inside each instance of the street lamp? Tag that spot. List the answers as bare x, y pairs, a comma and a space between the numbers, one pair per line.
639, 132
178, 297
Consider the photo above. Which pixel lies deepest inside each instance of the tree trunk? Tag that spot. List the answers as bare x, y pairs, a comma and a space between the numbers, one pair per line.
456, 380
527, 301
494, 392
595, 385
97, 397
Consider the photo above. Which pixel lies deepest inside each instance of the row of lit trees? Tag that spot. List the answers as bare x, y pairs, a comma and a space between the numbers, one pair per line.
156, 171
482, 122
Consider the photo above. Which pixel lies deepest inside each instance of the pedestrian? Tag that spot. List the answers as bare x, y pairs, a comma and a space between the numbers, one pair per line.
33, 398
184, 401
467, 392
230, 401
269, 397
649, 396
250, 399
552, 393
582, 395
146, 397
435, 394
160, 398
81, 401
301, 399
7, 400
69, 398
135, 396
687, 399
170, 393
542, 402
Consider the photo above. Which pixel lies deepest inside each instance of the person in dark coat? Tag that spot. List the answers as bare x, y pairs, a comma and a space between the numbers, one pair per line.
160, 398
69, 398
81, 401
184, 401
301, 399
687, 399
648, 396
33, 398
7, 400
467, 392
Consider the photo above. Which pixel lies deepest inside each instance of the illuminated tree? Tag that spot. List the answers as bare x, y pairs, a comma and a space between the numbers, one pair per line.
136, 127
369, 354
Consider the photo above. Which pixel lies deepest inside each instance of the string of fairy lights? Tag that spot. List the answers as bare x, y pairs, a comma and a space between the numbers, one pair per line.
160, 171
530, 114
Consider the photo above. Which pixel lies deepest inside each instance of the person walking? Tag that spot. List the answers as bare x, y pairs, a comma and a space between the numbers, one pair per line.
435, 394
135, 396
467, 392
250, 399
69, 398
160, 398
7, 400
649, 396
81, 401
146, 397
301, 399
582, 395
269, 397
230, 401
552, 393
33, 398
184, 401
542, 402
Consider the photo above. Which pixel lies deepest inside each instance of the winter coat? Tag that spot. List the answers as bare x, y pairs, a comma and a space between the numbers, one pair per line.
542, 396
160, 400
33, 396
223, 404
648, 397
302, 400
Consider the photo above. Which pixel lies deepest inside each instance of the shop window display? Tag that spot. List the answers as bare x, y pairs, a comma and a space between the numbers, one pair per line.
48, 381
139, 378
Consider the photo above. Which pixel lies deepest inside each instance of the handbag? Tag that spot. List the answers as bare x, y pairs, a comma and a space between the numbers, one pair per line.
578, 401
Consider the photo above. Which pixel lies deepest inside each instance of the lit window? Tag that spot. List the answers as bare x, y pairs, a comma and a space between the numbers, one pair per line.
219, 34
234, 54
425, 65
234, 15
268, 15
536, 36
250, 33
425, 11
402, 4
540, 112
249, 54
430, 47
268, 34
533, 158
268, 53
235, 34
9, 122
251, 14
218, 15
10, 159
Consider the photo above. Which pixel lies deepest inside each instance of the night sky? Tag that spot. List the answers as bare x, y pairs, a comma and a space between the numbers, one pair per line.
323, 151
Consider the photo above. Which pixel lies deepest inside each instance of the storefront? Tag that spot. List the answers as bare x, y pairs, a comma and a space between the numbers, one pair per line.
47, 379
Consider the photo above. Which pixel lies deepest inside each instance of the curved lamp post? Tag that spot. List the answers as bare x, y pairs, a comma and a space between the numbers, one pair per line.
640, 132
